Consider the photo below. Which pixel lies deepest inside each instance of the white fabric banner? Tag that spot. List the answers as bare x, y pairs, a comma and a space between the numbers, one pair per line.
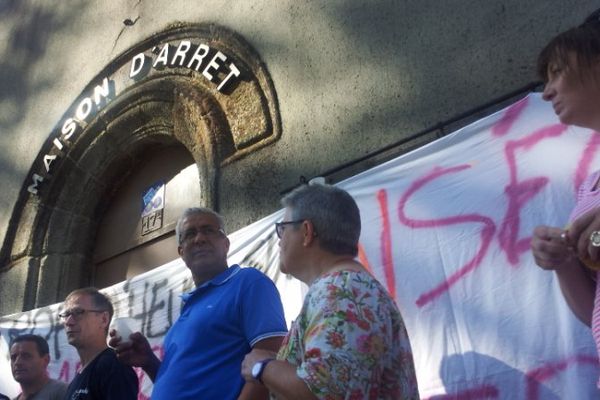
446, 229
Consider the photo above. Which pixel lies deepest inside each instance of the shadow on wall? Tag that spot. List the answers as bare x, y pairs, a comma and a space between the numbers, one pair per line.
502, 376
28, 27
448, 60
399, 67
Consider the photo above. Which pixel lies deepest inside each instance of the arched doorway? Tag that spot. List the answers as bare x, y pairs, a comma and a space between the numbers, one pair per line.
173, 115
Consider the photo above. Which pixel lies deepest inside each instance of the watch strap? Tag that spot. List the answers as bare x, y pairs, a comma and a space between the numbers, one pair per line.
263, 365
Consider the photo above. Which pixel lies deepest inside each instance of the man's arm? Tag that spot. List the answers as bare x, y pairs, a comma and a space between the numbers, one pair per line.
252, 389
136, 352
279, 376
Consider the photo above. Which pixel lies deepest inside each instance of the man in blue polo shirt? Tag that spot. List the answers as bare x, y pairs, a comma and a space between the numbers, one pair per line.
231, 311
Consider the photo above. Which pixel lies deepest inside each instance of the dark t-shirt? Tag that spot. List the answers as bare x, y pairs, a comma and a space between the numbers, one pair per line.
105, 378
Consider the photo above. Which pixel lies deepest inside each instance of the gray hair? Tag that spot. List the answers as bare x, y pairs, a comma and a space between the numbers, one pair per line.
333, 213
99, 299
193, 211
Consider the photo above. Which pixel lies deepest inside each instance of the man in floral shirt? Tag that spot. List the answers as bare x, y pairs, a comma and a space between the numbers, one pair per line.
349, 340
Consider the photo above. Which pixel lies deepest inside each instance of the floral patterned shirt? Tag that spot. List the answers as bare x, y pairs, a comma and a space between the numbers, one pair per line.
349, 341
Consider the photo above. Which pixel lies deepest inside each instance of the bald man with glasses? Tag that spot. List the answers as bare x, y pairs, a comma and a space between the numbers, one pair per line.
86, 317
231, 311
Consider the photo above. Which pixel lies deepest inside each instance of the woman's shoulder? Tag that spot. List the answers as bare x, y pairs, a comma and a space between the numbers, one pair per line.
590, 182
346, 279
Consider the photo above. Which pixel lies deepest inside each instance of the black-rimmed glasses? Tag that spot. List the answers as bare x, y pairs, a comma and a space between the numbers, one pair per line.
77, 313
280, 226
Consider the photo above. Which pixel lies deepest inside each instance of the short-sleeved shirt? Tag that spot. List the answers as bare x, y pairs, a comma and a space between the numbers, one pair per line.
105, 378
587, 200
219, 324
52, 390
349, 341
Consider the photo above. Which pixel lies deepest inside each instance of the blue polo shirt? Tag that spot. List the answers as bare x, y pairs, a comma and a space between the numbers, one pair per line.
219, 323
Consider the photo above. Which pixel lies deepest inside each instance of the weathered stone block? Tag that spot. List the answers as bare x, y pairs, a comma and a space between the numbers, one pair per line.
59, 275
13, 286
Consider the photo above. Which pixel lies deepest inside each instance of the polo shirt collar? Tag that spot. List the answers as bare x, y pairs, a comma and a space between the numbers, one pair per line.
218, 280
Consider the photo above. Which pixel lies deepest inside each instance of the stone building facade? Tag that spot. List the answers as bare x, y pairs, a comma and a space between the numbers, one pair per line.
116, 115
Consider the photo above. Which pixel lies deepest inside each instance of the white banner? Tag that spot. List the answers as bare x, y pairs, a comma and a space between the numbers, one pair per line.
446, 228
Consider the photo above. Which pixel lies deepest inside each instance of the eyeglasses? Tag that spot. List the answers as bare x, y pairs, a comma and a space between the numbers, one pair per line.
280, 226
77, 313
208, 231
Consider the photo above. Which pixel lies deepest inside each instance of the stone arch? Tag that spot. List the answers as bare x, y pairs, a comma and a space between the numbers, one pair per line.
51, 233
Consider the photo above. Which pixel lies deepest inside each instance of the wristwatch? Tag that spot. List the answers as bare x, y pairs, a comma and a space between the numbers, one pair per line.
259, 367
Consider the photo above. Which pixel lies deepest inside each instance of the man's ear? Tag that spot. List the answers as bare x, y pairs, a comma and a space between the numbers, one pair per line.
179, 250
309, 233
106, 319
46, 359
